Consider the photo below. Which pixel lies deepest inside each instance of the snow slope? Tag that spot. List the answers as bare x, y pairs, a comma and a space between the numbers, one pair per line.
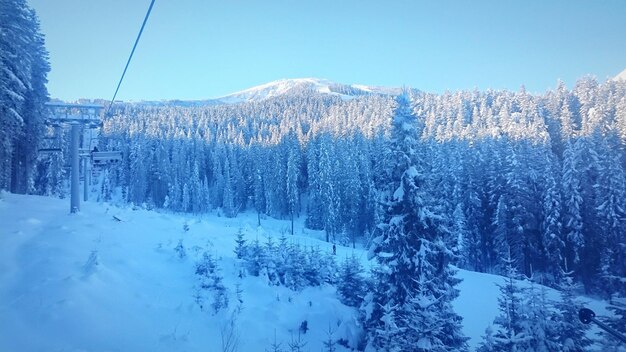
302, 85
620, 76
87, 282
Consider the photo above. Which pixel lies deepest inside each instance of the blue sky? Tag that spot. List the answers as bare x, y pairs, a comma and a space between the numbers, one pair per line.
195, 49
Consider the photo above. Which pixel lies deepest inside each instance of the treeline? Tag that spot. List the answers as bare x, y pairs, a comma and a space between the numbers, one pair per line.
542, 175
23, 70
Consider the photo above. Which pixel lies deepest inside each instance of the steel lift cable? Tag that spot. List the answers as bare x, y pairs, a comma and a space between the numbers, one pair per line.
143, 25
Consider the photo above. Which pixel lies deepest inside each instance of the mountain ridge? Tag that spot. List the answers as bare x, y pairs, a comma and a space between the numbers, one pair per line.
297, 86
282, 88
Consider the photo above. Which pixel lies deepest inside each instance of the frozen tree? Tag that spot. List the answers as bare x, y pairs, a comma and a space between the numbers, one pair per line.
569, 331
293, 174
330, 345
611, 211
241, 247
617, 322
415, 281
275, 346
211, 279
23, 74
297, 344
552, 244
351, 284
542, 335
572, 219
510, 333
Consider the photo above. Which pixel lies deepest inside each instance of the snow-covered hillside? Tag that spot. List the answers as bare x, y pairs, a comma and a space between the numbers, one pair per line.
300, 86
620, 76
279, 88
110, 279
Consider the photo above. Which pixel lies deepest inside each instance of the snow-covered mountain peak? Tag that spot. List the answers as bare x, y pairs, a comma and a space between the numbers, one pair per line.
298, 86
279, 88
621, 76
285, 87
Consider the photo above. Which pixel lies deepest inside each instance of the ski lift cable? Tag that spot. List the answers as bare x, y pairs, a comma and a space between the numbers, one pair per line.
143, 25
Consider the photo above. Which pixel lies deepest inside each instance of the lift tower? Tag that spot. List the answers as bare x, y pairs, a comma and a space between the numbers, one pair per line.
77, 117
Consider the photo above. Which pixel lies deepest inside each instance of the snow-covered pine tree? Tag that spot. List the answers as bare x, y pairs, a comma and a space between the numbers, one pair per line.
275, 346
50, 176
292, 177
181, 253
241, 247
511, 324
211, 279
351, 284
297, 344
415, 279
271, 257
257, 180
611, 209
256, 258
570, 332
23, 70
328, 268
514, 221
541, 330
489, 342
314, 217
590, 169
282, 255
137, 177
313, 264
462, 236
618, 322
330, 345
229, 198
388, 332
329, 192
472, 207
572, 205
294, 273
552, 244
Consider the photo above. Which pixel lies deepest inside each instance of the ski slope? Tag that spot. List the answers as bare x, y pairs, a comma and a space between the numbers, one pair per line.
88, 282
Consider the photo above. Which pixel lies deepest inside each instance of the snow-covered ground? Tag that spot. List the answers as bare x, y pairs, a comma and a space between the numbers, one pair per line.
88, 282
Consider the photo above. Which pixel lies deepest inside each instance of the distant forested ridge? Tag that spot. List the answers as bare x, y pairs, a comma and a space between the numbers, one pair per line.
542, 175
23, 71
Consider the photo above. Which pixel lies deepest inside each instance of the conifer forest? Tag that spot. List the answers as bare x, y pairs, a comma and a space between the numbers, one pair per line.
528, 186
541, 176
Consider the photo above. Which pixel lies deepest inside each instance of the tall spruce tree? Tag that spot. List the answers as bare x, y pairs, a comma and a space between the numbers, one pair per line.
410, 308
510, 333
570, 332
